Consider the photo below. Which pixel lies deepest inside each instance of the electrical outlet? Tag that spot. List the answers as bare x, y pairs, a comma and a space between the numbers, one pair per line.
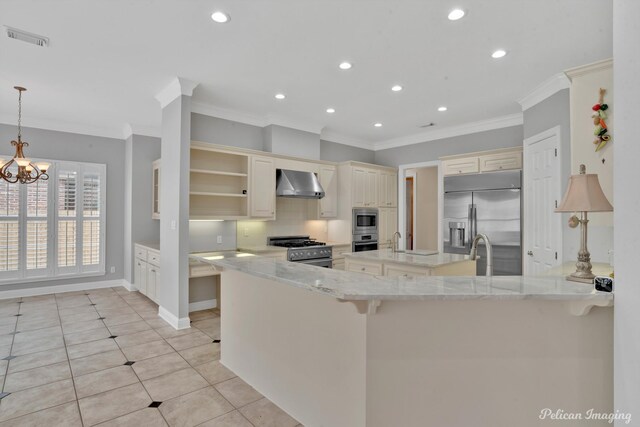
112, 269
219, 239
246, 232
173, 224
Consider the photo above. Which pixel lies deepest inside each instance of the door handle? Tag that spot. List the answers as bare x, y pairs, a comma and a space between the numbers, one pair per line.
530, 253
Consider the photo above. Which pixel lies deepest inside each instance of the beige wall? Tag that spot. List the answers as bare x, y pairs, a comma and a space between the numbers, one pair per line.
426, 205
291, 219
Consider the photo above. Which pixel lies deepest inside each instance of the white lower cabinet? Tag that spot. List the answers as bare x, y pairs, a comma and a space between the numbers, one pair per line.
372, 268
146, 275
140, 275
395, 270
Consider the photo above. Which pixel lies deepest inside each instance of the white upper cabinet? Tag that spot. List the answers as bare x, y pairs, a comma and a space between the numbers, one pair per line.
501, 161
371, 189
262, 191
460, 166
328, 205
155, 209
387, 189
480, 162
359, 187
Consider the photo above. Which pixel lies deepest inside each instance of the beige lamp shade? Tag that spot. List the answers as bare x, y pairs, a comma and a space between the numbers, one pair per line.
584, 194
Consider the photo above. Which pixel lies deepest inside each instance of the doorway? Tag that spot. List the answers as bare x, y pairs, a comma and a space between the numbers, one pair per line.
409, 209
420, 206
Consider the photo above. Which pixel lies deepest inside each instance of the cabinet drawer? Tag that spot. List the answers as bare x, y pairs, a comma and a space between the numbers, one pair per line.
338, 264
339, 251
392, 270
461, 166
153, 258
366, 268
503, 161
141, 253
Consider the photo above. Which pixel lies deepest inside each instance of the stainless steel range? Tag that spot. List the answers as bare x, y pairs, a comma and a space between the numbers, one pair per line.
304, 250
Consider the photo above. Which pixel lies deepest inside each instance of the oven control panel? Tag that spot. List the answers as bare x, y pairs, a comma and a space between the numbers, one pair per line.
300, 254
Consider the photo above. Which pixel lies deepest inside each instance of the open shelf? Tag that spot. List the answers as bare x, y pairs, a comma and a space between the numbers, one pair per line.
219, 162
215, 172
209, 194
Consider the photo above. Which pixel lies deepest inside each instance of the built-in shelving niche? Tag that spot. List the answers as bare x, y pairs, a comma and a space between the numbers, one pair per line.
218, 185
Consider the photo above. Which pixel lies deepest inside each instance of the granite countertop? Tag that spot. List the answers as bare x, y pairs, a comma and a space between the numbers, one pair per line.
262, 249
332, 243
217, 255
417, 258
150, 245
356, 286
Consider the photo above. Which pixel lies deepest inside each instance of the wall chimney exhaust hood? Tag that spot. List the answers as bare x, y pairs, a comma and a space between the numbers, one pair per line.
298, 184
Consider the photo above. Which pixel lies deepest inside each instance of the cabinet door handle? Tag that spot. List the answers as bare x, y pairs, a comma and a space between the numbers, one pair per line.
362, 269
530, 253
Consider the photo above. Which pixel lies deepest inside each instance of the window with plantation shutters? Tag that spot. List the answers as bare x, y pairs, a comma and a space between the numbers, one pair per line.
55, 228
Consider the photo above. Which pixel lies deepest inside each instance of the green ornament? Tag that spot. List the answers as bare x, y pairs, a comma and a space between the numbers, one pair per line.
602, 115
597, 130
602, 132
604, 106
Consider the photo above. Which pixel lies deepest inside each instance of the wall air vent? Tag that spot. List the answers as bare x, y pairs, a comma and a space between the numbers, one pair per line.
14, 33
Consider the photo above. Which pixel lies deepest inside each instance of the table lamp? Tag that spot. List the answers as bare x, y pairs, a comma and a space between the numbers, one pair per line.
584, 195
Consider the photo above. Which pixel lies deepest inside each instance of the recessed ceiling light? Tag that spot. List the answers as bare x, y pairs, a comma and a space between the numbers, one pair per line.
455, 14
345, 65
280, 96
331, 110
396, 88
220, 17
443, 108
378, 125
498, 54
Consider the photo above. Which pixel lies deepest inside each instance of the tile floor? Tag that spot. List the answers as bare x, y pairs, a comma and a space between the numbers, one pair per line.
104, 357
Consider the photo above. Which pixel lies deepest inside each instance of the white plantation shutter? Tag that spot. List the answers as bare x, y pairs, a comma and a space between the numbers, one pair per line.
91, 211
37, 225
53, 228
9, 229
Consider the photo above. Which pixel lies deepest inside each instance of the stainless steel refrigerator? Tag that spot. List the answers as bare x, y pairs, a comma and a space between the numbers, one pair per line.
488, 203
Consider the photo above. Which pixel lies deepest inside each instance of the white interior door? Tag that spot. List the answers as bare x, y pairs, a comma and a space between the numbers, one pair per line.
542, 191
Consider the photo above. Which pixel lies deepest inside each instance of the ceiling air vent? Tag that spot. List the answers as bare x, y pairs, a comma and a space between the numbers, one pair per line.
14, 33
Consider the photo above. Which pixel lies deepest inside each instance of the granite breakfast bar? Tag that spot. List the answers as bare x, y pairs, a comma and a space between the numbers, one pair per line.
336, 348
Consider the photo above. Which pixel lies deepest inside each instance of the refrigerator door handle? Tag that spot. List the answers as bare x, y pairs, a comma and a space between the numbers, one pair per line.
470, 236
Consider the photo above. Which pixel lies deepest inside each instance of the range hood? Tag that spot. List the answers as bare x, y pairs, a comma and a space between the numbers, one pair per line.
298, 184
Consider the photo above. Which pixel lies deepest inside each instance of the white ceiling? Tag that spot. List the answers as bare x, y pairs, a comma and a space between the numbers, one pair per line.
108, 59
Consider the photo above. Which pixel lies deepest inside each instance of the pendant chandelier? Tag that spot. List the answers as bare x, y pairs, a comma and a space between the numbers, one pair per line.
19, 168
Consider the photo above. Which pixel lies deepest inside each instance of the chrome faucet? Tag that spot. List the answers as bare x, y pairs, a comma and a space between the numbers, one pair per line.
395, 241
474, 252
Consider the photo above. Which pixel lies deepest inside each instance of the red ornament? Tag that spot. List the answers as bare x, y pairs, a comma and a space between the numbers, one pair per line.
596, 107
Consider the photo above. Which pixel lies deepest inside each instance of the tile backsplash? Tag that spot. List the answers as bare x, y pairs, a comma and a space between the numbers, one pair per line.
291, 219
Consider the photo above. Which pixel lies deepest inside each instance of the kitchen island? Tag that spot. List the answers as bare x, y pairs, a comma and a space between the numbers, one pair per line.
335, 348
385, 262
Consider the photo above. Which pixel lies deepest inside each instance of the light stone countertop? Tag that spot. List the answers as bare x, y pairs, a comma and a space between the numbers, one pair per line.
356, 286
262, 249
417, 258
155, 246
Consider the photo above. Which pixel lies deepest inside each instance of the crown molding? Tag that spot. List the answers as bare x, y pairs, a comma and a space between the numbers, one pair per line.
330, 136
60, 126
227, 114
178, 87
306, 126
589, 68
451, 131
132, 129
548, 88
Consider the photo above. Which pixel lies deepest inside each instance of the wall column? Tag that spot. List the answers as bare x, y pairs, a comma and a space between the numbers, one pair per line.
173, 287
626, 175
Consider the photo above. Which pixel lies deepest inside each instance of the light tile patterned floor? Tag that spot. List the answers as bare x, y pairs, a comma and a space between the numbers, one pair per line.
104, 357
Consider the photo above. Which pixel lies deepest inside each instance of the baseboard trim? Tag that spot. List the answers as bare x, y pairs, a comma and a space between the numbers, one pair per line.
177, 323
43, 290
203, 305
129, 286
